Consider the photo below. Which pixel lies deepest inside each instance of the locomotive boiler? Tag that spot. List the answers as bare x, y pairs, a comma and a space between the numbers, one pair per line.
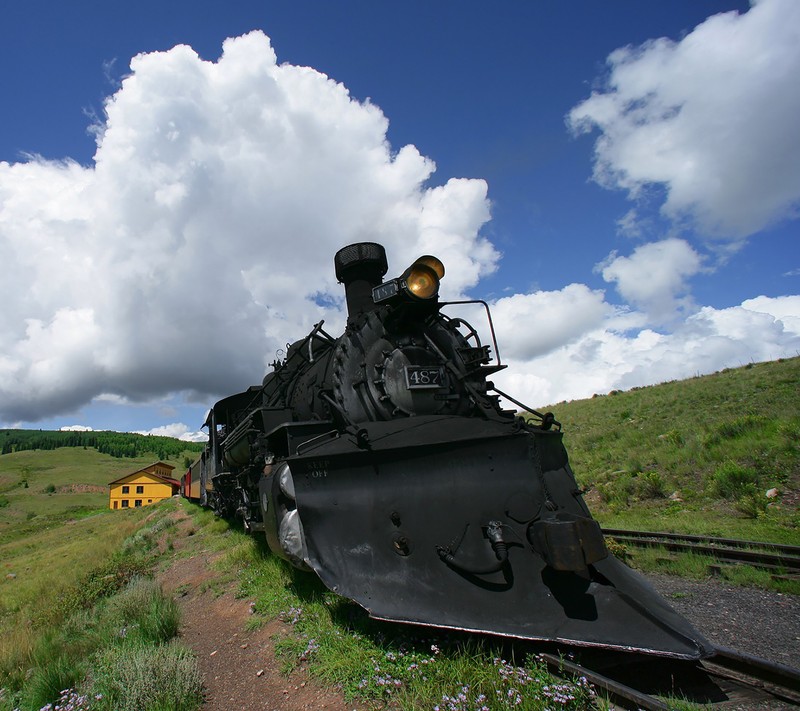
383, 461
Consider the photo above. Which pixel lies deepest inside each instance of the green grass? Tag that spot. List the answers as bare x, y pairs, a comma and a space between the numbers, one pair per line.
694, 456
39, 485
700, 567
716, 443
83, 625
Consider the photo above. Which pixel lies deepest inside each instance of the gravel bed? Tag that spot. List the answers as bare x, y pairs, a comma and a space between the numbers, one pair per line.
759, 622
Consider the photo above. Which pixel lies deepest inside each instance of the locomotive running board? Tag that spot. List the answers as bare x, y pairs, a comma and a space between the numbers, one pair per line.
378, 509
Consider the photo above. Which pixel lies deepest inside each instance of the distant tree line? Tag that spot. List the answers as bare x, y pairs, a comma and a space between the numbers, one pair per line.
116, 444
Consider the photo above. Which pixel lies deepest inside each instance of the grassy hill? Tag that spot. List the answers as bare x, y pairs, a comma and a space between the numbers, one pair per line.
695, 455
37, 486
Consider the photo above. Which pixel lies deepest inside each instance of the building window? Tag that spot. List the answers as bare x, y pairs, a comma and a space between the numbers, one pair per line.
149, 501
125, 489
140, 489
124, 503
137, 503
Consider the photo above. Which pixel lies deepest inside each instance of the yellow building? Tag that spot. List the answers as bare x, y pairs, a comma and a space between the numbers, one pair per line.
143, 487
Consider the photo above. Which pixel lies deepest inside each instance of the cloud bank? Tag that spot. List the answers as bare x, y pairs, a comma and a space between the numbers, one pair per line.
615, 356
200, 239
711, 119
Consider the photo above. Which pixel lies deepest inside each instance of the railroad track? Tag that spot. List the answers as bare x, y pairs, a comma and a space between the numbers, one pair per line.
727, 679
774, 557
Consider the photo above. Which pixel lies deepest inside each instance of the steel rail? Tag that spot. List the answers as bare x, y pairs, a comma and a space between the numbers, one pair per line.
626, 696
780, 680
769, 556
710, 540
742, 672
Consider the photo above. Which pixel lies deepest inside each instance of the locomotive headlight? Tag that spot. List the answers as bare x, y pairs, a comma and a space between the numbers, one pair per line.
433, 262
423, 276
420, 282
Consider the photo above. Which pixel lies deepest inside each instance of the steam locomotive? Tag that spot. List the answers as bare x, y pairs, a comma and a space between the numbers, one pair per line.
383, 461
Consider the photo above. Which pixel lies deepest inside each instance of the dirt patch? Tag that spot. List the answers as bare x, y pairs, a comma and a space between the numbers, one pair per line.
81, 489
239, 667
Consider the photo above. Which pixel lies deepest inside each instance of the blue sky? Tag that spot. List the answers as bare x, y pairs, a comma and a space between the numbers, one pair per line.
631, 214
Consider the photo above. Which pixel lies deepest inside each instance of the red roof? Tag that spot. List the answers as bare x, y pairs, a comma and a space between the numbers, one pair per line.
145, 470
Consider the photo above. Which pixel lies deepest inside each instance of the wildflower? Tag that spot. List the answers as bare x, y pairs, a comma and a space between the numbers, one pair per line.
292, 616
311, 647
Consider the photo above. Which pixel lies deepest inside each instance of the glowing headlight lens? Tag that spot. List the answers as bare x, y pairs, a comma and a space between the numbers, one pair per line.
422, 281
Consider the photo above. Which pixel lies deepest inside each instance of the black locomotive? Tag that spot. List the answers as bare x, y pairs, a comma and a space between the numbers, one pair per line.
383, 461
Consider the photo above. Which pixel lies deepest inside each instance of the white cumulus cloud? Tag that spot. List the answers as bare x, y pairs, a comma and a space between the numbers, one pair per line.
654, 278
529, 325
613, 356
712, 118
201, 238
178, 430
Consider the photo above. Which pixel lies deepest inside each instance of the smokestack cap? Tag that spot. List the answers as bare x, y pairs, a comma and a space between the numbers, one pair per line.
363, 260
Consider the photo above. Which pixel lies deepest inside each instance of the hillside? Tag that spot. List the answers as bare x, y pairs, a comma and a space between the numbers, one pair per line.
693, 455
656, 457
117, 444
45, 485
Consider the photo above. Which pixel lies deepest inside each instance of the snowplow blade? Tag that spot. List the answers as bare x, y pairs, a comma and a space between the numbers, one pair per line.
477, 526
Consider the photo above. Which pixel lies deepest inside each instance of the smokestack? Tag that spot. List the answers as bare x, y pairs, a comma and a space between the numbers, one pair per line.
360, 267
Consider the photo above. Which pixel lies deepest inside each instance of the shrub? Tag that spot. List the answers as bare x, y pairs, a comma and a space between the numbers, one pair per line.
752, 504
733, 429
144, 613
673, 437
617, 549
99, 583
651, 485
133, 676
740, 426
733, 481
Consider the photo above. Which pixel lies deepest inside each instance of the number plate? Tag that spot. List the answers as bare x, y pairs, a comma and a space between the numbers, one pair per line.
384, 291
422, 377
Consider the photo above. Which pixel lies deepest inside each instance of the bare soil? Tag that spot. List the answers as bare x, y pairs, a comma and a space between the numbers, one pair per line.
239, 667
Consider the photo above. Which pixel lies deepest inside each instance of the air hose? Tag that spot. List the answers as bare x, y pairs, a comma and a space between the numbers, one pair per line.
494, 532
